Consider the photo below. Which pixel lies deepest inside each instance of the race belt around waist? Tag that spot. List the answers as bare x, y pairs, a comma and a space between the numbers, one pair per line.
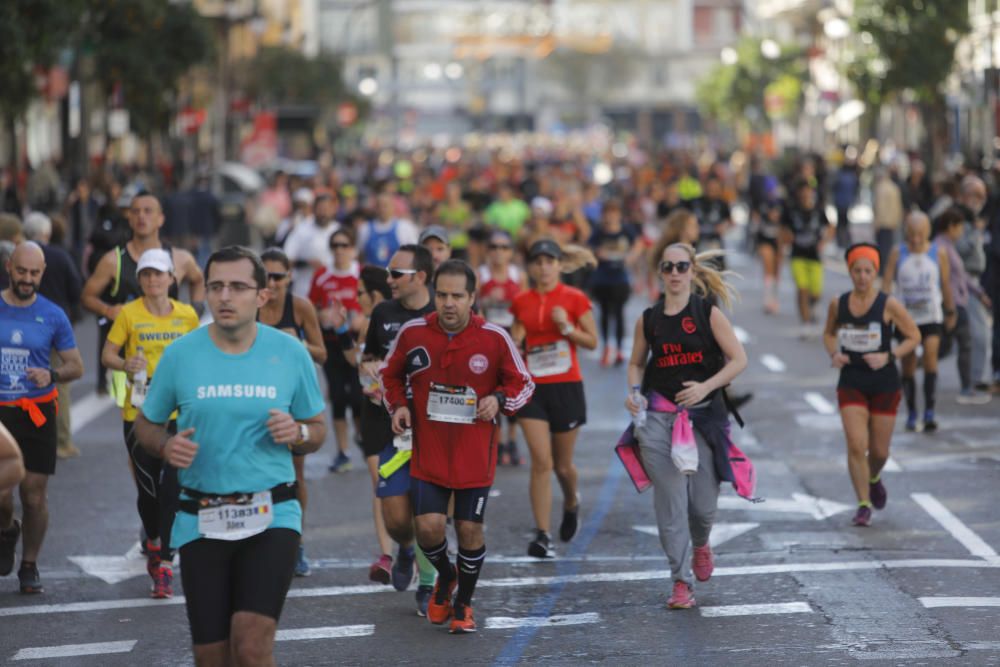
200, 500
30, 405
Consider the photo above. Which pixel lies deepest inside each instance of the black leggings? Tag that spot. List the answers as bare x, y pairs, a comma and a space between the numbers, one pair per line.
158, 492
611, 299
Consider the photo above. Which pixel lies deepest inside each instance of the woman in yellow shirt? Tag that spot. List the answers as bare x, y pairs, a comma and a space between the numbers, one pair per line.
143, 329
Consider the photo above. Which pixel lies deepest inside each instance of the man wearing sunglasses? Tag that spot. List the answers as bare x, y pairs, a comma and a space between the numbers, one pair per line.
409, 271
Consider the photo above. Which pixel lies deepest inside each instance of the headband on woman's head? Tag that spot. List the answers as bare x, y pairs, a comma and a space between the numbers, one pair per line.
862, 251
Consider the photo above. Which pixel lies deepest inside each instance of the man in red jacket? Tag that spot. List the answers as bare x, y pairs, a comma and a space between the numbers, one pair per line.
462, 372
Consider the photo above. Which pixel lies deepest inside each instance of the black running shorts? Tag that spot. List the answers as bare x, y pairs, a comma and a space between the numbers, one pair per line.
561, 404
430, 498
37, 443
221, 578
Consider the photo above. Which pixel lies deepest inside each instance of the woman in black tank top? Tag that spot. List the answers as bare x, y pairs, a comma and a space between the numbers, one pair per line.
684, 351
858, 337
296, 316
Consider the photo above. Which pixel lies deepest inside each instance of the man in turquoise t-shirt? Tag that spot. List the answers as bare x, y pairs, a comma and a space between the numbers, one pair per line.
247, 398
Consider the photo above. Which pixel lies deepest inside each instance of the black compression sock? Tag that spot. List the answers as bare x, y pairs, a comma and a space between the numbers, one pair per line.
910, 394
470, 563
930, 389
438, 557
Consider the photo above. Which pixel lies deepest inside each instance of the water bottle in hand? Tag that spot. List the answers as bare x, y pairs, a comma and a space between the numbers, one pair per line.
639, 418
139, 384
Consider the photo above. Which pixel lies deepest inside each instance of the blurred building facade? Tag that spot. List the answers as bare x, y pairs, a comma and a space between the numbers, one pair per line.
444, 67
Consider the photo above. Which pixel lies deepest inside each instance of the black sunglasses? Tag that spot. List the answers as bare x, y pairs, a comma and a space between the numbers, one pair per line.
399, 273
338, 246
668, 267
277, 277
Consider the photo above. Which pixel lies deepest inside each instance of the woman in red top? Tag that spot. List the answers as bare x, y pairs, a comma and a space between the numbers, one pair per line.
500, 282
334, 293
552, 319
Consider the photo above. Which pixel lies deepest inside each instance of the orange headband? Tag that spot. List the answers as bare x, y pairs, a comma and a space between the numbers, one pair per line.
863, 252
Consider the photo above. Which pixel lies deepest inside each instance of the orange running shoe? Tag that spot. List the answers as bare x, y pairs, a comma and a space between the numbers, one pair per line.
462, 621
439, 608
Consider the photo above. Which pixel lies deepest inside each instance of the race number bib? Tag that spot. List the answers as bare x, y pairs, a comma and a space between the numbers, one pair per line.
861, 340
455, 405
246, 517
551, 359
500, 316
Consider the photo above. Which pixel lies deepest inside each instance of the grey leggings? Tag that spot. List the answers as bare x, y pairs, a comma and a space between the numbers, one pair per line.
685, 504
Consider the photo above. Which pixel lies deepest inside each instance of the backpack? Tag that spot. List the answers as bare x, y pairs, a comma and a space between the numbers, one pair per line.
701, 312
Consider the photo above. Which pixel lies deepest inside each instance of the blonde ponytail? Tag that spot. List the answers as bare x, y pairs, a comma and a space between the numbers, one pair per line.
576, 257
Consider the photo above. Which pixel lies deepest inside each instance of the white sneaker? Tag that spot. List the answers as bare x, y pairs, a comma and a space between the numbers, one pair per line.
972, 397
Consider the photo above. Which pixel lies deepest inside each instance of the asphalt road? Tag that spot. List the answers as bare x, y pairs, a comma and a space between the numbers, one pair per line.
795, 583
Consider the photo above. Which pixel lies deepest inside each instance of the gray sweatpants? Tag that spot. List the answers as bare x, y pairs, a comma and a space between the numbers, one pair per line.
685, 504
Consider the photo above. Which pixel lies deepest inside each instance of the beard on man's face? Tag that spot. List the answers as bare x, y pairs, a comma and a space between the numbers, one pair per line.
25, 290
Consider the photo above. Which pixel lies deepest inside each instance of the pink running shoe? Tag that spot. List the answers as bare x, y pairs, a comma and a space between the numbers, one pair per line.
863, 517
682, 597
703, 563
381, 570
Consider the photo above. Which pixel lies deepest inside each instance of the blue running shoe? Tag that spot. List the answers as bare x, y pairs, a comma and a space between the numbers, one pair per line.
911, 422
423, 599
342, 463
302, 565
930, 426
402, 569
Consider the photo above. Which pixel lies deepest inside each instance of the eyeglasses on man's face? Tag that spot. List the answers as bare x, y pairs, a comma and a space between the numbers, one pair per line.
238, 288
396, 274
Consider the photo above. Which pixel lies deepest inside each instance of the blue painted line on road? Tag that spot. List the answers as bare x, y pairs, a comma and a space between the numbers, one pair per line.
516, 645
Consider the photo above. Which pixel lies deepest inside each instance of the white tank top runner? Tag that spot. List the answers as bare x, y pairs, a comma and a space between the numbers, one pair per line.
918, 283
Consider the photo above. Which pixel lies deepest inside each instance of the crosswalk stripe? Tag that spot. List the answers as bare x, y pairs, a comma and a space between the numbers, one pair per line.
756, 609
945, 601
329, 632
74, 650
508, 622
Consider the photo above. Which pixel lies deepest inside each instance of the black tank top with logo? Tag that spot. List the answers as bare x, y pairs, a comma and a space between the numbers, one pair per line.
287, 320
857, 336
124, 287
679, 352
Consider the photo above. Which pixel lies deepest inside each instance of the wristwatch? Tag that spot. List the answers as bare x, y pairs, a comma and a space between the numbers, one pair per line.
54, 375
303, 434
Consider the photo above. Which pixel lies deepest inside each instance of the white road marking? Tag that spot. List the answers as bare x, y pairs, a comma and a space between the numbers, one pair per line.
965, 535
110, 569
818, 403
800, 503
508, 622
74, 650
892, 466
756, 609
935, 602
330, 632
741, 335
773, 363
721, 532
522, 582
87, 409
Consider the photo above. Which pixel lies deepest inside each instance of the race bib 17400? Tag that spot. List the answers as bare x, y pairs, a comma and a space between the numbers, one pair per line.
447, 403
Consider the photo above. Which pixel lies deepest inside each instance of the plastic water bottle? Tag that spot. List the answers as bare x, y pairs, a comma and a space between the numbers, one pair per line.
139, 384
639, 418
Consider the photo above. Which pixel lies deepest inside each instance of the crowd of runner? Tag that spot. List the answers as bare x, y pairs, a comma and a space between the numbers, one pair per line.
444, 301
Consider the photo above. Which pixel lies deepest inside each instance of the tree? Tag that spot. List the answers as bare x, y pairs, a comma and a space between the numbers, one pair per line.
912, 49
284, 76
142, 48
754, 87
32, 32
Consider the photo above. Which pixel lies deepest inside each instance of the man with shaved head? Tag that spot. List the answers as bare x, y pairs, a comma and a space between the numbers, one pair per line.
114, 282
31, 328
